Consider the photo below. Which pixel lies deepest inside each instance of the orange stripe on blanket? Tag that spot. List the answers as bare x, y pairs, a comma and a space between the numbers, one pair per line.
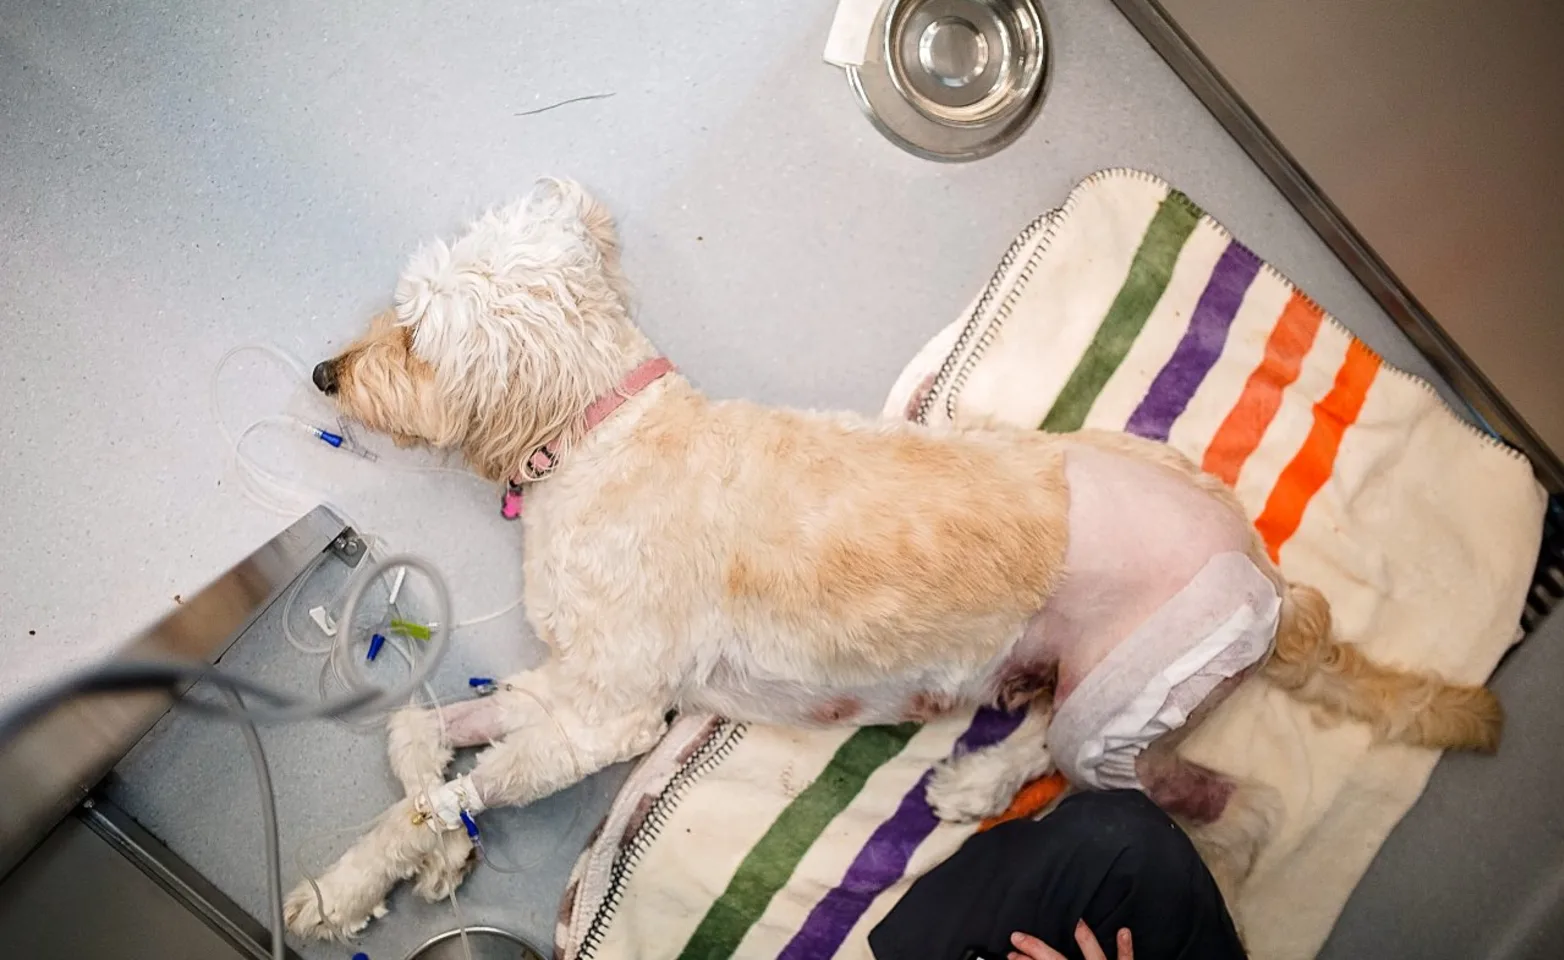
1251, 416
1316, 459
1032, 799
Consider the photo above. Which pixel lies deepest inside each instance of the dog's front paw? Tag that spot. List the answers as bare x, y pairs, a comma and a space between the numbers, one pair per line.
442, 871
310, 912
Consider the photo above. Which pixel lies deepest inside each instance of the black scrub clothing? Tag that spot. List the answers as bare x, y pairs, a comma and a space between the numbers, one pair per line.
1112, 858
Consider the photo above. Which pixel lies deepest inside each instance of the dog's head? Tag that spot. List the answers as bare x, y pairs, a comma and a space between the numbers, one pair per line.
499, 341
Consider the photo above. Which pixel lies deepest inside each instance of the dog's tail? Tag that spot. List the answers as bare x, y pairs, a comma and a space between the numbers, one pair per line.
1416, 707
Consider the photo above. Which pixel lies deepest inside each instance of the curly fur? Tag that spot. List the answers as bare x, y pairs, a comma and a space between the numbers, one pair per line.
778, 566
499, 340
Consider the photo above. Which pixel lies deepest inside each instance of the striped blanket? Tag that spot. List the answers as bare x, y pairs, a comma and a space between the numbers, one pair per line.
1130, 309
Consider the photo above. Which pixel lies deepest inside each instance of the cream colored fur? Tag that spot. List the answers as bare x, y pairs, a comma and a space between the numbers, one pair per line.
770, 565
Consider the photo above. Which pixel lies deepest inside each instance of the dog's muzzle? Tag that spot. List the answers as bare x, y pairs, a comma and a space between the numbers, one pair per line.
325, 377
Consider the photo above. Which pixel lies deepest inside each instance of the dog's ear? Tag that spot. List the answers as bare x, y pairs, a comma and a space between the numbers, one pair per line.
531, 260
562, 201
518, 270
446, 296
529, 299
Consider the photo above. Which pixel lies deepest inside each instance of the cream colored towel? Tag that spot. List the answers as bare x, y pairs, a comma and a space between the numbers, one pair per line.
1126, 309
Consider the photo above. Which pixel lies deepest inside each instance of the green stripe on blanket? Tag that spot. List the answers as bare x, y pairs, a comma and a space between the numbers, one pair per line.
1148, 277
769, 864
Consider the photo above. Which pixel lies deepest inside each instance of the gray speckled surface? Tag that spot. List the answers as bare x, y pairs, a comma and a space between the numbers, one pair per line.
190, 782
179, 176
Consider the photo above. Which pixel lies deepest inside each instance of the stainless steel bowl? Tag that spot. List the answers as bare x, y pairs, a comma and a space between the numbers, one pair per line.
954, 79
487, 943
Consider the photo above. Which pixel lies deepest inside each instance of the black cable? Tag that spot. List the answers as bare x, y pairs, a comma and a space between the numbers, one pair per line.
176, 677
282, 707
269, 825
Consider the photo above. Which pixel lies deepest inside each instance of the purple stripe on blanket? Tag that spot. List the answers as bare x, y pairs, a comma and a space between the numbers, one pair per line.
1201, 345
883, 859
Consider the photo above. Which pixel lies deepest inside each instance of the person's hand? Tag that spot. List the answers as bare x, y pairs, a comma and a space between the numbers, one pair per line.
1028, 947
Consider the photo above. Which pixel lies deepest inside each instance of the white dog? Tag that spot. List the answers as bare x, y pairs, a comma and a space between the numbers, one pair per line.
800, 568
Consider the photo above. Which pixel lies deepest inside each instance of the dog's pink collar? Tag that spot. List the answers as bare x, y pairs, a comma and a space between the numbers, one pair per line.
542, 461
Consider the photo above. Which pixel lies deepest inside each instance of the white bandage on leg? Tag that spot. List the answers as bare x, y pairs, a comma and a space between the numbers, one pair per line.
444, 804
1221, 623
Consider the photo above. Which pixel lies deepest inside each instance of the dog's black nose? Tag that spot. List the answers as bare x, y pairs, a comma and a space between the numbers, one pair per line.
325, 377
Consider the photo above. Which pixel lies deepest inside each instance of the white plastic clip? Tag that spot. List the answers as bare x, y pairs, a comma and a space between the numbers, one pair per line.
323, 620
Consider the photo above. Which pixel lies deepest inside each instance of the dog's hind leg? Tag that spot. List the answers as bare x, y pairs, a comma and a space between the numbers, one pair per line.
1230, 844
1229, 819
982, 783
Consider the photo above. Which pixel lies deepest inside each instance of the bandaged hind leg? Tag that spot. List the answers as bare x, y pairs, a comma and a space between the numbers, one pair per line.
1217, 627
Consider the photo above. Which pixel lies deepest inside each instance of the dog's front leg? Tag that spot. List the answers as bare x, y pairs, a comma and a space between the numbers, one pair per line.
555, 744
561, 733
420, 745
342, 900
421, 741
